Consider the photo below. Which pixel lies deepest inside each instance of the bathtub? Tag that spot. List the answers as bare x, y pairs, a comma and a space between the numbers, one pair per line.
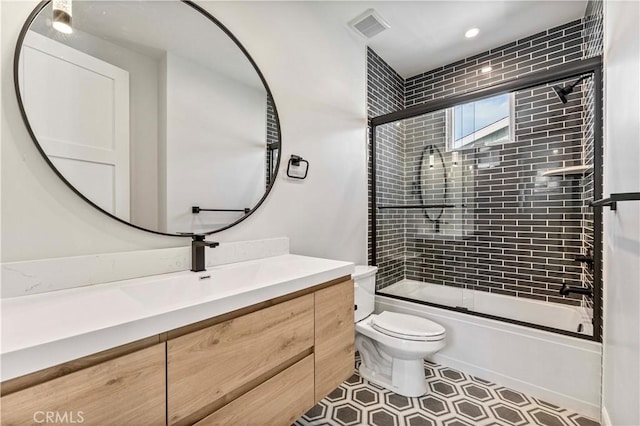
561, 369
574, 319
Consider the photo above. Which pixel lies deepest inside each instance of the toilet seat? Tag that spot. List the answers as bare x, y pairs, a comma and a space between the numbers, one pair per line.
407, 327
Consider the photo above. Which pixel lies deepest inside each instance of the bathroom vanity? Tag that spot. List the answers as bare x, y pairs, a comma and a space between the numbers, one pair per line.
252, 341
278, 338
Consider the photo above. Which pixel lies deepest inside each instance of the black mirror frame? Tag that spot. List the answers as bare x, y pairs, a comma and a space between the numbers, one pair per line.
206, 14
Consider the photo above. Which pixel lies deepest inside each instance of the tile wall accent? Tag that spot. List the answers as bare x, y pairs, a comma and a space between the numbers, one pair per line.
385, 94
593, 46
385, 87
520, 231
593, 32
534, 53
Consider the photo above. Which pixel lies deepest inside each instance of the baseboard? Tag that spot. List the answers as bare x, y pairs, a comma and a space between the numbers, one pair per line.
604, 419
536, 391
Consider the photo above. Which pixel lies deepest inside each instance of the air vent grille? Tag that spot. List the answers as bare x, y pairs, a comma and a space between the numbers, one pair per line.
369, 24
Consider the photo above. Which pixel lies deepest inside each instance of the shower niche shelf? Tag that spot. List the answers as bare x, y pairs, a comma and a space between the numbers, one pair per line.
569, 171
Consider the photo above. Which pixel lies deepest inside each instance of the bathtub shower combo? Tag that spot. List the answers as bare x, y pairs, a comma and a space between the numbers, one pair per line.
481, 221
481, 201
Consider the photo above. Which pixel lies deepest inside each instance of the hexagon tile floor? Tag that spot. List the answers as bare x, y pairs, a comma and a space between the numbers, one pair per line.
454, 399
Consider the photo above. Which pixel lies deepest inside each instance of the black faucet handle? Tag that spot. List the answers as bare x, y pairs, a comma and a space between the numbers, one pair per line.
199, 240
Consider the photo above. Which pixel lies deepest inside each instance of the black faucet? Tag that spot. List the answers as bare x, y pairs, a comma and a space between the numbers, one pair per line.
197, 252
565, 290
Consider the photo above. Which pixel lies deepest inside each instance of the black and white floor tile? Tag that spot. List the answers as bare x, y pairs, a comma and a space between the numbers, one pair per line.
454, 399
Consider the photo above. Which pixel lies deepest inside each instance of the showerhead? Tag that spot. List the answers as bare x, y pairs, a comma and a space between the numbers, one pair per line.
562, 92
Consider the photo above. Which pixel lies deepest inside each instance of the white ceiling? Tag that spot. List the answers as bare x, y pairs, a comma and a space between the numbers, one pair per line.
424, 34
428, 34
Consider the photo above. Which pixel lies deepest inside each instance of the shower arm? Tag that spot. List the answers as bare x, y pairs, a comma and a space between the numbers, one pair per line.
584, 77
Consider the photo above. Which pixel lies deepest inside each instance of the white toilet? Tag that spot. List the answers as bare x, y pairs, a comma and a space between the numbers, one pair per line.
392, 346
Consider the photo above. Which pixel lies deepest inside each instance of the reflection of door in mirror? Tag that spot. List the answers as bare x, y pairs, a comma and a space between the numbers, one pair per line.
79, 110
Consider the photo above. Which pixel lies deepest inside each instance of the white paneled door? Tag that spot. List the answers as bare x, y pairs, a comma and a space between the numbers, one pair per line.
79, 111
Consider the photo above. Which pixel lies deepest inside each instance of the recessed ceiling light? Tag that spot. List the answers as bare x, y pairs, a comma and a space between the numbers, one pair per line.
472, 33
486, 69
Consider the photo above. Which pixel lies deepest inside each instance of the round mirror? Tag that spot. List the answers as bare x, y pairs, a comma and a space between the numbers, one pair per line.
152, 111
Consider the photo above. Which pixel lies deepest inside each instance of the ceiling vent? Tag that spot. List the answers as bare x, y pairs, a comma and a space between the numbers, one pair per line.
369, 24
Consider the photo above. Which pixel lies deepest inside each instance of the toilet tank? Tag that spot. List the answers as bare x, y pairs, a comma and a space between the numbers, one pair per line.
364, 282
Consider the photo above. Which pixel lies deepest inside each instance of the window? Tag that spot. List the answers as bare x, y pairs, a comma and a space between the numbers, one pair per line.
480, 123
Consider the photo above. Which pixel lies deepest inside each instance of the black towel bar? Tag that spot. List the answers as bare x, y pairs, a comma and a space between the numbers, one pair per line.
196, 210
613, 199
421, 206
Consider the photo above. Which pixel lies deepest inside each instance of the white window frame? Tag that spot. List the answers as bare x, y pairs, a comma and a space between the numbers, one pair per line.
451, 127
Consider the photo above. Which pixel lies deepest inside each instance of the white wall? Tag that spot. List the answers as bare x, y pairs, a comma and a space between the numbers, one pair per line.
215, 144
316, 69
621, 369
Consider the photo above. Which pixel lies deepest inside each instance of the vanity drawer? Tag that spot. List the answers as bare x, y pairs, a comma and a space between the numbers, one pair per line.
125, 390
278, 401
334, 337
207, 368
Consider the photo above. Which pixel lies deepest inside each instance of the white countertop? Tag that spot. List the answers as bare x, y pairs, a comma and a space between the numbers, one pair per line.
47, 329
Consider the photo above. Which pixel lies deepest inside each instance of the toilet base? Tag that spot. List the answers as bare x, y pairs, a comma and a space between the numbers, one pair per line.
409, 375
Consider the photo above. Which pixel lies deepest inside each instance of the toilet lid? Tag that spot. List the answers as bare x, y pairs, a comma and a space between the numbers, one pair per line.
407, 326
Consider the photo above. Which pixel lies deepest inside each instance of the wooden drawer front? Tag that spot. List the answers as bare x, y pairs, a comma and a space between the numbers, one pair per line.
334, 337
278, 401
126, 390
206, 365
